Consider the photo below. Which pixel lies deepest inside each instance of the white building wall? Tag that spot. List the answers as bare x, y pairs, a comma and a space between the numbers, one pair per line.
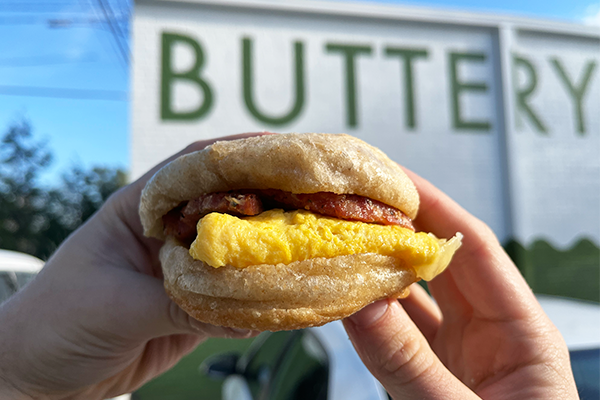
523, 184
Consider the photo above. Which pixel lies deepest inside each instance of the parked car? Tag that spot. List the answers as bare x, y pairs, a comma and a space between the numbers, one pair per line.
320, 363
16, 269
579, 323
317, 363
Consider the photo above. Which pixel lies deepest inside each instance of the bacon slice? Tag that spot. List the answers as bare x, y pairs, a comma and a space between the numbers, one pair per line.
181, 221
344, 206
223, 202
175, 225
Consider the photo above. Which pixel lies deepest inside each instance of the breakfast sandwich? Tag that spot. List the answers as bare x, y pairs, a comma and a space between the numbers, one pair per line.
283, 232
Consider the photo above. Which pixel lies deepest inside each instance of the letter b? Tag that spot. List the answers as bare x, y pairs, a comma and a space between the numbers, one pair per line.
168, 75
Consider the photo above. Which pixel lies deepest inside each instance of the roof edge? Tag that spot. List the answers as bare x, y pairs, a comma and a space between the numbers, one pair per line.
402, 13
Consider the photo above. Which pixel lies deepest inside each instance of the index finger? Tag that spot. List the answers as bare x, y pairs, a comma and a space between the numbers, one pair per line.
481, 276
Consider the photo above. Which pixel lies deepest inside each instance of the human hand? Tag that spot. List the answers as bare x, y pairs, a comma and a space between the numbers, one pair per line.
96, 322
488, 338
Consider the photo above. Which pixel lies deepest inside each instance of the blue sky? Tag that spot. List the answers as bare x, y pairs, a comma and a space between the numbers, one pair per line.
62, 70
36, 59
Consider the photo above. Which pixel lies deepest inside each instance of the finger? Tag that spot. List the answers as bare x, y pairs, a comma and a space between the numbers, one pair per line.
423, 311
450, 300
156, 314
442, 216
483, 273
398, 355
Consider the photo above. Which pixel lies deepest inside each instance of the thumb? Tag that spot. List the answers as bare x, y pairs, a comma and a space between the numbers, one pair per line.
398, 355
147, 312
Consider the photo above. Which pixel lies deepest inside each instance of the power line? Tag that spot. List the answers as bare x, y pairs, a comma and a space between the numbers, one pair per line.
31, 6
87, 6
22, 20
51, 22
117, 24
128, 7
64, 93
42, 60
124, 51
35, 8
113, 19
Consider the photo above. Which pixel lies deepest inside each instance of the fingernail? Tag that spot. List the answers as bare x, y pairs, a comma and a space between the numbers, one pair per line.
200, 327
241, 332
370, 314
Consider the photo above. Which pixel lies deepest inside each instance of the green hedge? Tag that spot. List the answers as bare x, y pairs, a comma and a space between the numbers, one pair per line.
573, 272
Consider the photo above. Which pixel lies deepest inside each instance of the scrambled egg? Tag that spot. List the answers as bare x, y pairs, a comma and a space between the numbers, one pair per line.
275, 236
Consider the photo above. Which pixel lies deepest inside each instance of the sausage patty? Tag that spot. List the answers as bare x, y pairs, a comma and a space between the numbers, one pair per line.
181, 221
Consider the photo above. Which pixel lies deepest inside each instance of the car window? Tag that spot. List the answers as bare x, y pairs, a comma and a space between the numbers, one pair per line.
303, 371
11, 282
23, 278
261, 360
586, 369
8, 285
286, 366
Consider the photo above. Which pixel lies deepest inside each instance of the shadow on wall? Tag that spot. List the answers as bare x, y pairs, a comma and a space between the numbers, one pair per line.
570, 273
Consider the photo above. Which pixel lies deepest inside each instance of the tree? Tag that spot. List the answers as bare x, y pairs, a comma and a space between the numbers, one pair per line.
35, 219
21, 161
83, 192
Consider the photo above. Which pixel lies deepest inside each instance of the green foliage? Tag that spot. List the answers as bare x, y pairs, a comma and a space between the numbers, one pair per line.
35, 219
84, 192
21, 223
573, 272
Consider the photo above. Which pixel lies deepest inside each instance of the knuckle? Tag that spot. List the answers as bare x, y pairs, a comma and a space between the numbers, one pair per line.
408, 361
487, 232
484, 244
482, 233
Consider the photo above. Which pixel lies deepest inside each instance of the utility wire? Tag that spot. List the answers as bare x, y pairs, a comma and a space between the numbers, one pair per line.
113, 17
122, 49
22, 20
128, 7
42, 60
51, 22
87, 5
64, 93
121, 37
30, 6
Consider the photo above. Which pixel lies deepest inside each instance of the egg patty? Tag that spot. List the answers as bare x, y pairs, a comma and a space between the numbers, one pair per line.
278, 237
